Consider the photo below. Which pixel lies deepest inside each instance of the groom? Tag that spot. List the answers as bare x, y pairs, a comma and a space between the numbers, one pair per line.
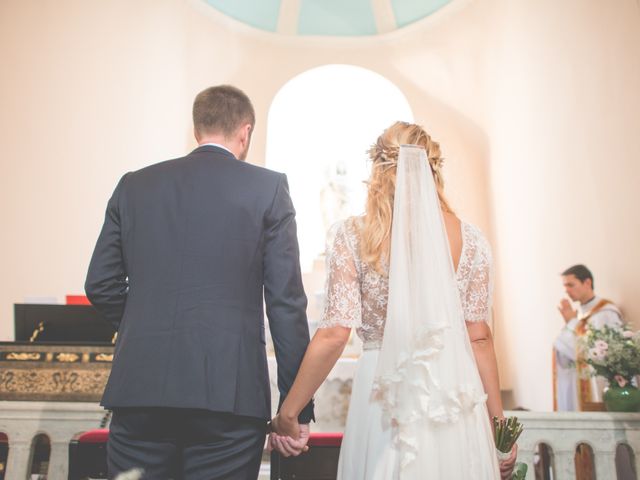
189, 250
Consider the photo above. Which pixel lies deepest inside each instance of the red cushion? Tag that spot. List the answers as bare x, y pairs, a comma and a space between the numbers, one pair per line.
316, 439
325, 439
77, 300
99, 435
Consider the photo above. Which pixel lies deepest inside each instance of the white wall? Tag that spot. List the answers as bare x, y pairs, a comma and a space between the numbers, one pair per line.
564, 83
534, 103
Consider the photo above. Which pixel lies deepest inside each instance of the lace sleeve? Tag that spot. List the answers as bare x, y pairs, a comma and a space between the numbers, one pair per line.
477, 299
342, 304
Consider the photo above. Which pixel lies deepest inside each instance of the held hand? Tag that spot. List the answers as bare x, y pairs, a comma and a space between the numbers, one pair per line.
283, 426
289, 447
507, 466
566, 310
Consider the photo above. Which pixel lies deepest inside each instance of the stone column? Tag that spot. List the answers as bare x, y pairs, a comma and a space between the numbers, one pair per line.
59, 458
564, 466
606, 464
18, 462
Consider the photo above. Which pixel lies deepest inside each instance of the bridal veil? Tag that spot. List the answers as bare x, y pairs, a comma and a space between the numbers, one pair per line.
426, 379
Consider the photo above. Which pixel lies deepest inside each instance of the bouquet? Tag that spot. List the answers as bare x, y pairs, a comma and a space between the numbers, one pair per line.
506, 431
612, 353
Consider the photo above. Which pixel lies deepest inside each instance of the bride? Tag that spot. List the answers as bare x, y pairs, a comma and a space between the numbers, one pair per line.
415, 282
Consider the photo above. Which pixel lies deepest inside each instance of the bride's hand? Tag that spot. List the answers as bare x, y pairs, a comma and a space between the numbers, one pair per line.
285, 427
507, 466
286, 444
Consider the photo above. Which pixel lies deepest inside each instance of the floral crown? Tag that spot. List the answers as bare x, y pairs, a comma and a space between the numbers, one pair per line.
388, 155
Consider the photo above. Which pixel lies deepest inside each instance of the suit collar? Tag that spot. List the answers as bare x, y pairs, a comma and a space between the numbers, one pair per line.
214, 149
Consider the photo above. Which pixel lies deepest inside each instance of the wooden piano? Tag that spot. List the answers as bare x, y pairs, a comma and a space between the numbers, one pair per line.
60, 353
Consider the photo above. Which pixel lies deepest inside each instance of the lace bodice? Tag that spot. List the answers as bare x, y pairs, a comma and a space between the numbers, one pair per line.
356, 295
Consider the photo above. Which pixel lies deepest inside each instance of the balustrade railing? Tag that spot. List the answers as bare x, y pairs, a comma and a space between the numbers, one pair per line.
599, 445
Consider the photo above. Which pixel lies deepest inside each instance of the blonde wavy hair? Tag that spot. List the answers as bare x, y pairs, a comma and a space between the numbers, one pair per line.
376, 227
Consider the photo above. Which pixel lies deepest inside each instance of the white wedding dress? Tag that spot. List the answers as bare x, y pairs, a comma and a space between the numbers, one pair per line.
455, 441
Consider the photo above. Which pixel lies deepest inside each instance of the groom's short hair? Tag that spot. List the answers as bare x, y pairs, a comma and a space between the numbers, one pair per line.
222, 109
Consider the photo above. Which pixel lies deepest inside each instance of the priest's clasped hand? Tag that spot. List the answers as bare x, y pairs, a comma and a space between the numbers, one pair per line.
566, 310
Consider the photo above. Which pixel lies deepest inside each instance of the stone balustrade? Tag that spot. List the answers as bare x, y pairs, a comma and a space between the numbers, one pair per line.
562, 432
60, 421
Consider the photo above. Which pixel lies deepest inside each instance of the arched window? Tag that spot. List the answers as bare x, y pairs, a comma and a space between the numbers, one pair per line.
40, 453
543, 462
320, 125
584, 462
625, 463
4, 454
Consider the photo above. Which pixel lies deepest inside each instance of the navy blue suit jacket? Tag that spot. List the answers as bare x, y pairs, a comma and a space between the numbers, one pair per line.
190, 252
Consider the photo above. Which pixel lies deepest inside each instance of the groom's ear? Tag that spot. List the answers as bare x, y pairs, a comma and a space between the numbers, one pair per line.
245, 134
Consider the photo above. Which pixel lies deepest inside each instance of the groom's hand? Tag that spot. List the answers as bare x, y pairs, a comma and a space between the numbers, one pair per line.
285, 444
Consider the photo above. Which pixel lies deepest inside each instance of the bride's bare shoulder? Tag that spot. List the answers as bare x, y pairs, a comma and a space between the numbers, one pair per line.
451, 220
453, 225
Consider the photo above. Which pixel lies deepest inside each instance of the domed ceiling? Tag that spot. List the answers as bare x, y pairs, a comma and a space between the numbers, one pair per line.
328, 17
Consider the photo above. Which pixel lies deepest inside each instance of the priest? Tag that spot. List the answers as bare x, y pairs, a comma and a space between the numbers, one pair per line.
572, 391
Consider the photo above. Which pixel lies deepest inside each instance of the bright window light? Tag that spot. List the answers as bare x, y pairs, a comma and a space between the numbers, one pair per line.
320, 125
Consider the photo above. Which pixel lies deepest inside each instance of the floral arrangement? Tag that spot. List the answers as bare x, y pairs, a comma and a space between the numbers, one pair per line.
613, 353
506, 432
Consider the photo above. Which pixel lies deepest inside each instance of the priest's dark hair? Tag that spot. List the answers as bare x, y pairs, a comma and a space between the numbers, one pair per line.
222, 109
580, 272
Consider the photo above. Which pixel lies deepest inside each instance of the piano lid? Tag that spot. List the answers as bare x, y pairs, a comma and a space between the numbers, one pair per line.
66, 324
